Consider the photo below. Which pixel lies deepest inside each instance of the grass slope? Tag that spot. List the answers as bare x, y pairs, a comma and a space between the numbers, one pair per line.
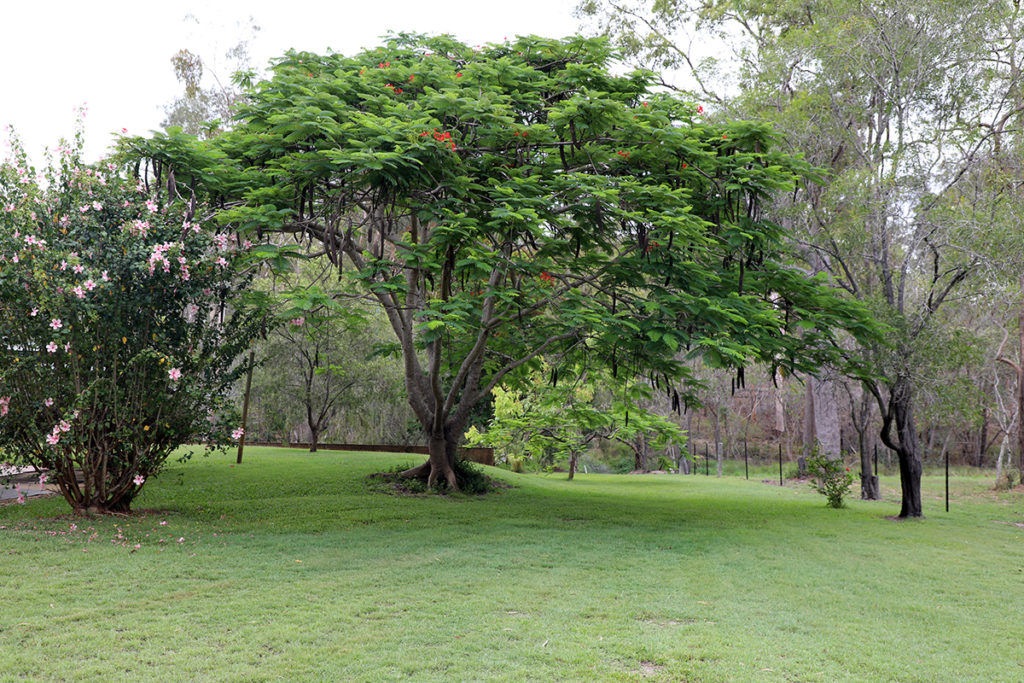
290, 567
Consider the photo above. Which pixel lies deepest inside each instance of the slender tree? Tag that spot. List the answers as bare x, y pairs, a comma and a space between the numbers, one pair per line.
900, 102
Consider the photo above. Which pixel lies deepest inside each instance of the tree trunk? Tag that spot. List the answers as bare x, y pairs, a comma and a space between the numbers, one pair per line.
982, 439
826, 417
810, 438
907, 448
780, 409
640, 453
718, 437
1020, 388
572, 465
869, 489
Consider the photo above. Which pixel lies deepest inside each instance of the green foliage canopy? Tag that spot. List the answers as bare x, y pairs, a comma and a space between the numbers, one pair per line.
514, 200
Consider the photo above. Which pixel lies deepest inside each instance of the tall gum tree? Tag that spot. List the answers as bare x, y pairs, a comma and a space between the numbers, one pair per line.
514, 201
900, 101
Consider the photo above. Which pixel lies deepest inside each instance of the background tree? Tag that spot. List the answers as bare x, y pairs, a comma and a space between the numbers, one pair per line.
210, 88
505, 203
117, 336
557, 421
322, 370
900, 102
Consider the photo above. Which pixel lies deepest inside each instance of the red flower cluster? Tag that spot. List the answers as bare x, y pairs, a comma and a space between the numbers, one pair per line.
383, 64
623, 154
397, 91
700, 108
652, 246
524, 133
445, 137
546, 277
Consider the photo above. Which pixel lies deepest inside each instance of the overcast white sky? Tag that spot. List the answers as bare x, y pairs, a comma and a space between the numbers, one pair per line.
115, 55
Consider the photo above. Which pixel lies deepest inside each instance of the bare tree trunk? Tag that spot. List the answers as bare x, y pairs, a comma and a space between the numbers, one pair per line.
826, 417
869, 489
780, 410
907, 449
1020, 386
979, 460
718, 436
810, 438
573, 457
640, 459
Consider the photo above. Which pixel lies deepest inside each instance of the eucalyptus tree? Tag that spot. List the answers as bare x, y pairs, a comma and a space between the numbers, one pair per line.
511, 202
899, 102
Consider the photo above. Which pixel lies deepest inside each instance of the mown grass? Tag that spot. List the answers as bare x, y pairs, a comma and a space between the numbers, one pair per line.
291, 566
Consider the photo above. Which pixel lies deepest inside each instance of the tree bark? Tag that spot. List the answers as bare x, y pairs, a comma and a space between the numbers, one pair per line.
810, 438
1020, 388
907, 449
826, 417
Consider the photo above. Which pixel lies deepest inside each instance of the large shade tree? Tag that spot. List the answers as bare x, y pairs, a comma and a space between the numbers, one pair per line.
514, 201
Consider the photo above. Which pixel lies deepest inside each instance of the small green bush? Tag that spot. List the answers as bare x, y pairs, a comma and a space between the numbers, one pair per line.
832, 478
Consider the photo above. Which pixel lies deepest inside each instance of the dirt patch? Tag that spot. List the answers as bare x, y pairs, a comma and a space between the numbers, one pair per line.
1019, 525
649, 669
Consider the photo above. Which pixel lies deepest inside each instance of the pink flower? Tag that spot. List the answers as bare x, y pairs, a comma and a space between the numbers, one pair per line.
106, 278
5, 402
181, 540
33, 312
56, 324
175, 374
78, 269
151, 205
163, 523
139, 480
21, 499
53, 439
51, 347
48, 402
238, 434
79, 292
298, 322
63, 426
90, 285
97, 206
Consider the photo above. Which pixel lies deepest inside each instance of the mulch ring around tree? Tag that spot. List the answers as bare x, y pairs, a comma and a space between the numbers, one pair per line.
391, 482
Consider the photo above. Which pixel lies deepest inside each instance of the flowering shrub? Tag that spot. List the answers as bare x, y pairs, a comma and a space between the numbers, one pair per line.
117, 337
832, 478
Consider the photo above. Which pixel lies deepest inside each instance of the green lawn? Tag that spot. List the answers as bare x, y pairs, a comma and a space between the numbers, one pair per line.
290, 567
